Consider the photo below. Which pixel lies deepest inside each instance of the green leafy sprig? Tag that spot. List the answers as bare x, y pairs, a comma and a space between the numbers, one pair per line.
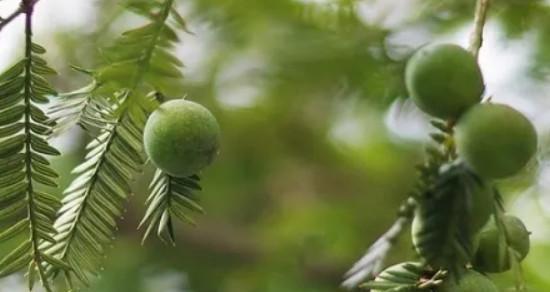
95, 199
442, 153
170, 196
139, 66
443, 239
409, 276
27, 210
371, 263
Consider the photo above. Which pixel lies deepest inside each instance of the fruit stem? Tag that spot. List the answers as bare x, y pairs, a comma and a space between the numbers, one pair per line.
450, 148
476, 38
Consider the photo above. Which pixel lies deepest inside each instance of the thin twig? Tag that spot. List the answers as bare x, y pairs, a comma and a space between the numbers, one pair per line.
476, 39
10, 18
372, 262
24, 3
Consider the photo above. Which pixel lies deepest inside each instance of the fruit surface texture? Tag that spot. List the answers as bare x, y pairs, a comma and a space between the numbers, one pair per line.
496, 140
181, 137
444, 80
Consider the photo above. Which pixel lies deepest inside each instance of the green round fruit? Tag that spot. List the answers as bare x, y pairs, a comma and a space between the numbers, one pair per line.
403, 273
471, 281
444, 80
495, 140
181, 137
491, 255
482, 205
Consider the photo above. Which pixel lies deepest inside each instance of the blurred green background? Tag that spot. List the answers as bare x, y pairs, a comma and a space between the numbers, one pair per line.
319, 139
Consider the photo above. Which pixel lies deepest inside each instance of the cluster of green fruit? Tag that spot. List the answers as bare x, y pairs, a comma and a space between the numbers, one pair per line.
181, 137
493, 140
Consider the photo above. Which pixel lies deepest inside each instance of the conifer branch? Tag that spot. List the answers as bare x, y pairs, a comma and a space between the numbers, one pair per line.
24, 167
371, 263
118, 105
35, 238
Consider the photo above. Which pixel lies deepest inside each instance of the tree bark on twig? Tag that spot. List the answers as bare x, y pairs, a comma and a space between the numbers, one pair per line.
476, 38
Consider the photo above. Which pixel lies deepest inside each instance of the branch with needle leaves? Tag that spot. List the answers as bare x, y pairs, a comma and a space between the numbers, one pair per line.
371, 263
27, 212
117, 103
170, 197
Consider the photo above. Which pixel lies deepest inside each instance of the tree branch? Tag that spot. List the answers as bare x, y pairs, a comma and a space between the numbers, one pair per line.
372, 262
476, 38
11, 17
21, 10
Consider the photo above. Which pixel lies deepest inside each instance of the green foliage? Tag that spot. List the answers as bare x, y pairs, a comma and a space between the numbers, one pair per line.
80, 107
141, 59
401, 277
94, 200
437, 155
301, 206
27, 211
441, 229
170, 197
407, 277
116, 105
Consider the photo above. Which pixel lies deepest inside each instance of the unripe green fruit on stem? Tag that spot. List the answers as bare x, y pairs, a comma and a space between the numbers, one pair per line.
482, 205
181, 137
495, 140
444, 80
492, 255
471, 281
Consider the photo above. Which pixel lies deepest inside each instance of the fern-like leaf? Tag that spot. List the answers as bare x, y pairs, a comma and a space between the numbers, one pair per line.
442, 236
403, 277
94, 200
78, 107
428, 172
142, 56
407, 277
138, 64
330, 15
170, 197
140, 60
28, 211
